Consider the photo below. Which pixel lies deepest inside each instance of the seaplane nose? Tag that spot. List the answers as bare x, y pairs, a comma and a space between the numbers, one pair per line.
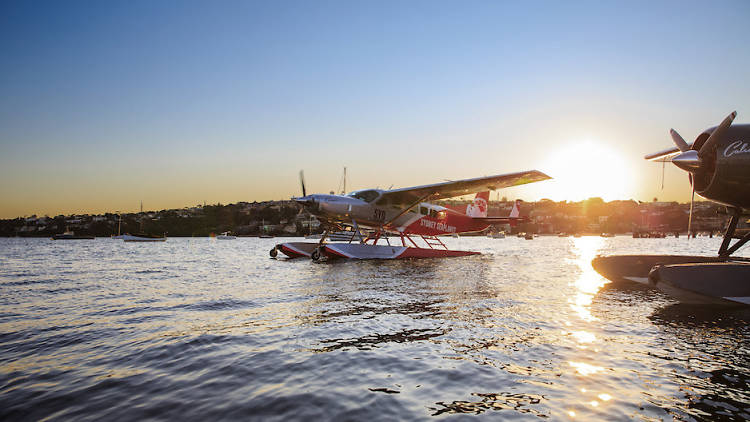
688, 161
308, 202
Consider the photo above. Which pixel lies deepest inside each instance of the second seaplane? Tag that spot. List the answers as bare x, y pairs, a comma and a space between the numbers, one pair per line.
401, 223
718, 164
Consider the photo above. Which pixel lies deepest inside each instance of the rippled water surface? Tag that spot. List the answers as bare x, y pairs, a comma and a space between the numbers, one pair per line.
199, 329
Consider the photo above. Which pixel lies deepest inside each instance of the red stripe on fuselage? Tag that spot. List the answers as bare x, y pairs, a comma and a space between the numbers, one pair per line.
453, 222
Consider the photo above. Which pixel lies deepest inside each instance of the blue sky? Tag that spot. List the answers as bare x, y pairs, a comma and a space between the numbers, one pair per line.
105, 104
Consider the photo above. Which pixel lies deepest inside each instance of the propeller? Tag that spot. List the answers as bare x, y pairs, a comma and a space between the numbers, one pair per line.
692, 160
308, 203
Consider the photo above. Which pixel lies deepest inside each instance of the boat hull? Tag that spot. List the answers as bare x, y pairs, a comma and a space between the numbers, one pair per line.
636, 268
71, 237
714, 283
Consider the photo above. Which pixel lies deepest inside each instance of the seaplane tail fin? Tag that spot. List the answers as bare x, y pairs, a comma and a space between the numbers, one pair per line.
515, 212
478, 208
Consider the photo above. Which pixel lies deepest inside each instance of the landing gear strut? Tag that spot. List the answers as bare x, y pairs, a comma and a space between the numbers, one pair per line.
725, 250
316, 255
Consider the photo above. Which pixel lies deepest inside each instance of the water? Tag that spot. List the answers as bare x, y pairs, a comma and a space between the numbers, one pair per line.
195, 329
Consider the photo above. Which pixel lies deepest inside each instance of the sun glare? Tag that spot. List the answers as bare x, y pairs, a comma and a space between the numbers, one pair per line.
588, 169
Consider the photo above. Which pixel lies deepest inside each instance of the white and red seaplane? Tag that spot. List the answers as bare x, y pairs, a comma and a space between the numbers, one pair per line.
404, 214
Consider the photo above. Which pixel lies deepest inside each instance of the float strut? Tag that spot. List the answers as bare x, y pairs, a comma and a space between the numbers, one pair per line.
724, 250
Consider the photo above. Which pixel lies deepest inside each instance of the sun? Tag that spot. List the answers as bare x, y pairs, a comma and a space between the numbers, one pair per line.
586, 169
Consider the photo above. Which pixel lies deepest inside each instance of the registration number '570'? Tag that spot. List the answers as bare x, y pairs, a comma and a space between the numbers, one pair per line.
379, 215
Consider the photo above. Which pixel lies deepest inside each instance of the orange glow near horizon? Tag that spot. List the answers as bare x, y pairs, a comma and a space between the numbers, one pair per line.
586, 169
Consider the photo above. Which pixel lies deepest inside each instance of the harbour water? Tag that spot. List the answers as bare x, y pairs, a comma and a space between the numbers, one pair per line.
199, 329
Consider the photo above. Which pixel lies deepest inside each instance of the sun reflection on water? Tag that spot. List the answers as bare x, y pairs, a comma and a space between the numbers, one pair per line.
585, 369
583, 336
589, 282
586, 286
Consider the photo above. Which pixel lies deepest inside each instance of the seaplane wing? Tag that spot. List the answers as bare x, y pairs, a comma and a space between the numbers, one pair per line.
409, 196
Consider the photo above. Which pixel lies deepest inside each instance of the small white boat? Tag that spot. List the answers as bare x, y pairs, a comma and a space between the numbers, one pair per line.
226, 236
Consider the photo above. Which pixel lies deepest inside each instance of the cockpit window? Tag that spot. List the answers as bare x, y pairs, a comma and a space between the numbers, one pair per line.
365, 195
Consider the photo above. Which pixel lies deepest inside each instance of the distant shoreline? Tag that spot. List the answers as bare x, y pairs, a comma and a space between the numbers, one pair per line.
287, 219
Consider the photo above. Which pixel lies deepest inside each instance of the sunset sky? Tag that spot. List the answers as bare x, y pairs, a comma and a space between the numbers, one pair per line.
105, 104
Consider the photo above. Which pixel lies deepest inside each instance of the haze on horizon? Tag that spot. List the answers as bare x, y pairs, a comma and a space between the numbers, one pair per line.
175, 103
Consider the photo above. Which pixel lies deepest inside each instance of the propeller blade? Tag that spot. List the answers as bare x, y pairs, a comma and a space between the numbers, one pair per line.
692, 200
681, 144
302, 182
712, 140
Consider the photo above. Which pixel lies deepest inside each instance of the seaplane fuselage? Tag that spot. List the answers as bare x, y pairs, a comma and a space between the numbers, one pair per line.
422, 218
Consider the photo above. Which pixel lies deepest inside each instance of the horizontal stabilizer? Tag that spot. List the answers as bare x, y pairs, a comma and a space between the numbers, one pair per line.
511, 219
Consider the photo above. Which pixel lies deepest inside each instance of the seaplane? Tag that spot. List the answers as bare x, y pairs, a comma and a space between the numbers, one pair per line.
402, 223
718, 166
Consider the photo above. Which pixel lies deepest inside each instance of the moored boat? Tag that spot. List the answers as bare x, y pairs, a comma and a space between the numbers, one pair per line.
69, 235
143, 237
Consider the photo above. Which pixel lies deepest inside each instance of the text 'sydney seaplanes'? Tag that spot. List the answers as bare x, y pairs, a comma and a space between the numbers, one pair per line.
405, 214
718, 164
